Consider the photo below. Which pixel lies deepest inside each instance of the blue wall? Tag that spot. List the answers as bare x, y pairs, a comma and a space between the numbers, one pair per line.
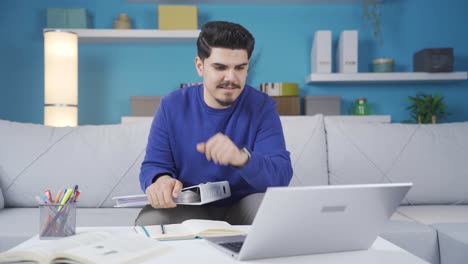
110, 74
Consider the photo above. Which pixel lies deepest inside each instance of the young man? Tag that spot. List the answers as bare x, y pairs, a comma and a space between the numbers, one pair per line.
221, 130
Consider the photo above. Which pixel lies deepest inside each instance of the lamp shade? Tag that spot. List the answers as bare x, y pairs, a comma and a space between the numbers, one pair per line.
60, 78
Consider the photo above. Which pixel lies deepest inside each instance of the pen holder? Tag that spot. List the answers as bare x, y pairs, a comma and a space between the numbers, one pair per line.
56, 221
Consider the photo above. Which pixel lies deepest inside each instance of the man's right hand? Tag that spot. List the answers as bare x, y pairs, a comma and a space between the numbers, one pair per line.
161, 193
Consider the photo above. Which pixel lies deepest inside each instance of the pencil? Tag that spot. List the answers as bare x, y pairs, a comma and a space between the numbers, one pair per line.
163, 231
57, 197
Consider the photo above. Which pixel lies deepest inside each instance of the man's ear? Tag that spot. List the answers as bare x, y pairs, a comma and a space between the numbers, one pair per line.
199, 66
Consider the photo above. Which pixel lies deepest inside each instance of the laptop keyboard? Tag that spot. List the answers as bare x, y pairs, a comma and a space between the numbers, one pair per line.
234, 246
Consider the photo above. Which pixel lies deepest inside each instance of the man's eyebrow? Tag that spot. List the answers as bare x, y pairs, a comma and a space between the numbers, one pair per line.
242, 65
218, 64
223, 65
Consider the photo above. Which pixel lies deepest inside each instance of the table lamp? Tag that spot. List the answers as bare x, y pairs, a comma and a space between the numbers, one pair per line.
60, 78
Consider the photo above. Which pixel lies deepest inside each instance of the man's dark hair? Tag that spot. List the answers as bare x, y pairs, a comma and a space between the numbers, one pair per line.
222, 34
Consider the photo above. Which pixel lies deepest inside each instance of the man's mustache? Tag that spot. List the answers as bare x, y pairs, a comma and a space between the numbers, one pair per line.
228, 84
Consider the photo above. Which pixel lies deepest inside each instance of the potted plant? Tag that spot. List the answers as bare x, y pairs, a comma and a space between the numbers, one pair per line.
427, 108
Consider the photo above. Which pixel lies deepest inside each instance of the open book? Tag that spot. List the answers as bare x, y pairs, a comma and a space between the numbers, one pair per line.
89, 248
188, 229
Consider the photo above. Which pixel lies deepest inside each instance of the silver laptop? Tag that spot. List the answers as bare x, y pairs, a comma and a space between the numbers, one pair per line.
316, 219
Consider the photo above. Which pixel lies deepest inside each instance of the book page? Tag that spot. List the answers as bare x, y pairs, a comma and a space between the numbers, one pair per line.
171, 232
119, 249
43, 253
189, 229
205, 228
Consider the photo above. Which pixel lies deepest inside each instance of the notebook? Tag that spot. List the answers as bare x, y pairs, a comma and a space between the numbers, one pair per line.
188, 229
306, 220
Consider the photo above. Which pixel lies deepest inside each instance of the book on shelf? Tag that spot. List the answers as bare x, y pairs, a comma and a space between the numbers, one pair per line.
89, 248
189, 229
194, 195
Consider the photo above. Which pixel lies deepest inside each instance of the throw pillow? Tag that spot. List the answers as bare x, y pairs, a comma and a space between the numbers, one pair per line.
305, 140
104, 160
432, 157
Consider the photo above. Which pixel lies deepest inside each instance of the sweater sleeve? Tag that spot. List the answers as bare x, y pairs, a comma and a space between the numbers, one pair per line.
158, 159
270, 163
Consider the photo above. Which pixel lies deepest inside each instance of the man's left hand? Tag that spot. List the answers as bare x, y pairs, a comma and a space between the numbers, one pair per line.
221, 150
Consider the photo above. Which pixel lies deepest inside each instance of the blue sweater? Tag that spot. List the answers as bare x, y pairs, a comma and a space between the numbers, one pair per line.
183, 120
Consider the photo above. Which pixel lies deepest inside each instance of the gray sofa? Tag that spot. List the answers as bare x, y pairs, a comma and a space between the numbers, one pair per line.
104, 161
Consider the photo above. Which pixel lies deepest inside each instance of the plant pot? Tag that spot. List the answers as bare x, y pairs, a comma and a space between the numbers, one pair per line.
433, 119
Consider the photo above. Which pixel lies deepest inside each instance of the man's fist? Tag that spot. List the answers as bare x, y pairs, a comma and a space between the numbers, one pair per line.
221, 150
161, 193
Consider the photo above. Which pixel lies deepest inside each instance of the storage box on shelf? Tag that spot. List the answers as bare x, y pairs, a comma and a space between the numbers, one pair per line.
322, 104
174, 17
68, 18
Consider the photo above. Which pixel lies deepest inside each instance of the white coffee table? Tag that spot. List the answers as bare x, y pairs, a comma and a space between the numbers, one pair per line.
199, 251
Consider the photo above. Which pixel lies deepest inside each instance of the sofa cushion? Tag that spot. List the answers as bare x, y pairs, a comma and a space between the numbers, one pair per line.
305, 140
416, 238
433, 157
432, 214
453, 243
103, 160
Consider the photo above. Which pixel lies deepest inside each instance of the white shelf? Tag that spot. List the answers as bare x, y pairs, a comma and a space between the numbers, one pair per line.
389, 77
249, 2
133, 35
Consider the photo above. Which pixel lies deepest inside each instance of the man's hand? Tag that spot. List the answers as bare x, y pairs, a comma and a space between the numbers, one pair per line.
161, 193
221, 150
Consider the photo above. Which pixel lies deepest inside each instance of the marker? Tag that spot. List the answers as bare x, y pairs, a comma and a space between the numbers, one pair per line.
73, 196
48, 195
76, 196
65, 198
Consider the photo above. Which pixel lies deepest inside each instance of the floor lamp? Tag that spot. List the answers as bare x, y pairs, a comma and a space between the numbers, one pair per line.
60, 78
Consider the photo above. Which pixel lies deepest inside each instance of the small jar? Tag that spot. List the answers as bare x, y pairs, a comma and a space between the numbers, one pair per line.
361, 107
383, 65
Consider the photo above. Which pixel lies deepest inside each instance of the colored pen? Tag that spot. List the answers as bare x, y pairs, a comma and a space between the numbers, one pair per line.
73, 196
57, 198
76, 196
146, 231
65, 198
48, 194
163, 231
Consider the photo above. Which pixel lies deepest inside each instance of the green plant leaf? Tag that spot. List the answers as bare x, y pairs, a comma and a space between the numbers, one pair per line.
425, 106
